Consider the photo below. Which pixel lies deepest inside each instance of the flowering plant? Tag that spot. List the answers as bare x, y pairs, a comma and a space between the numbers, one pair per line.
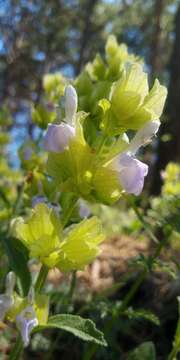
94, 129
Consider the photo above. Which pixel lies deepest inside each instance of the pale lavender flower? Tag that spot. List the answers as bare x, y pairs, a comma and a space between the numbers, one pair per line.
7, 299
57, 137
131, 171
84, 210
38, 200
28, 153
25, 322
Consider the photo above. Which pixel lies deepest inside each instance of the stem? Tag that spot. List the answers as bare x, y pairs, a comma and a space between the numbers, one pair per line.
101, 144
44, 269
67, 214
41, 278
144, 223
68, 301
17, 349
172, 355
18, 199
72, 286
129, 296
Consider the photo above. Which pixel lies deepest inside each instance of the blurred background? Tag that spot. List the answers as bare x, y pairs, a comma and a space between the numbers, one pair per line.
48, 36
37, 37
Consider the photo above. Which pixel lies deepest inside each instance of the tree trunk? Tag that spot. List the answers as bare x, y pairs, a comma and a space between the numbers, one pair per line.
170, 150
86, 34
155, 58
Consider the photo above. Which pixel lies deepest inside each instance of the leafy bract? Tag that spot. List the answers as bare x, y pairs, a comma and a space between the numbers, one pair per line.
41, 307
131, 104
80, 246
41, 234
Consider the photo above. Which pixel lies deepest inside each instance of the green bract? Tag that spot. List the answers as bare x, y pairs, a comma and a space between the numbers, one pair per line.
41, 307
81, 171
131, 104
42, 234
80, 246
53, 85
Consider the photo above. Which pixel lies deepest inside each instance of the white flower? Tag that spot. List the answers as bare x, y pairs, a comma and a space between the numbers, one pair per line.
7, 299
131, 171
57, 137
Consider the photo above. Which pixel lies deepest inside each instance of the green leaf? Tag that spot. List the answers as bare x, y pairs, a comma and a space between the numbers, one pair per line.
85, 329
176, 342
145, 351
141, 313
18, 258
42, 117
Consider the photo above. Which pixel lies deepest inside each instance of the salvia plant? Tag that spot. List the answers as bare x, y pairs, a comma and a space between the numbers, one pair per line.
91, 131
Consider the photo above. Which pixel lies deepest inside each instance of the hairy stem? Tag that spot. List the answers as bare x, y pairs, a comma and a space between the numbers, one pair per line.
68, 212
17, 349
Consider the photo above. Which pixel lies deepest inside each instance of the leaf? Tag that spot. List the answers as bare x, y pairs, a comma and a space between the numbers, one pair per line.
18, 258
42, 117
166, 268
145, 351
85, 329
176, 342
141, 313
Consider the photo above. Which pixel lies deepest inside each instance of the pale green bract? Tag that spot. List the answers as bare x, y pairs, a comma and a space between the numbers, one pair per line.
131, 104
42, 234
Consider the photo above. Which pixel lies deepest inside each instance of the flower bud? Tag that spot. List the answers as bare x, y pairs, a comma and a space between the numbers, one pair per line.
57, 137
7, 300
71, 101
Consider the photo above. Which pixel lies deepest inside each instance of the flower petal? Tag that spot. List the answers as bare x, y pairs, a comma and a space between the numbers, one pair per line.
57, 137
25, 322
144, 135
71, 102
131, 173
